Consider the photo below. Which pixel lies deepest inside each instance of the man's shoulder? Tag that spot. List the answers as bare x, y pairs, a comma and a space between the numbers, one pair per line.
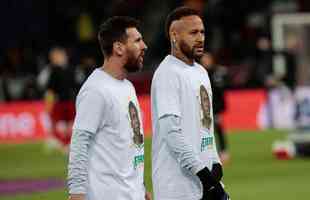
93, 85
201, 68
130, 85
89, 89
92, 81
167, 68
164, 73
169, 63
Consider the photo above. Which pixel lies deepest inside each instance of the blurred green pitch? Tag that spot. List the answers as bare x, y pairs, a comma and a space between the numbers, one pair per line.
252, 174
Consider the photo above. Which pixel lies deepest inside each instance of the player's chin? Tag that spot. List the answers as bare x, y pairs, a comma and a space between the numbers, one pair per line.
198, 55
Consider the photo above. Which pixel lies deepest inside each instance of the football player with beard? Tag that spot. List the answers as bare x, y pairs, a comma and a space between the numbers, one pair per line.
185, 163
106, 160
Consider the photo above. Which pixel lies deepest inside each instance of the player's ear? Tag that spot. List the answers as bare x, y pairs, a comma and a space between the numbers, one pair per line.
173, 32
118, 48
173, 37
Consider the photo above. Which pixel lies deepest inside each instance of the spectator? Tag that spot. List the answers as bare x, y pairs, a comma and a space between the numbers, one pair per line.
59, 95
17, 83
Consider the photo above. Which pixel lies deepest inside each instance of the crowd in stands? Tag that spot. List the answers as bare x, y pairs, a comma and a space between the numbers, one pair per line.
237, 32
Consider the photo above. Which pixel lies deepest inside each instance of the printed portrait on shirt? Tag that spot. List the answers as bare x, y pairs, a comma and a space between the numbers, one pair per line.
205, 108
135, 124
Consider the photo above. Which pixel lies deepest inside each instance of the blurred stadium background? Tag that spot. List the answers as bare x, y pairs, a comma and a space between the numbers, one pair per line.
263, 44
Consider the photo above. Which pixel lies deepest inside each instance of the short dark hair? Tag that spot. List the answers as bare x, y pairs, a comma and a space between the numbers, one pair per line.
114, 29
177, 14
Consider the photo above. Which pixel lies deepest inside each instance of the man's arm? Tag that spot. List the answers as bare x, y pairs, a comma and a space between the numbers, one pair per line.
90, 106
148, 196
78, 164
181, 148
188, 159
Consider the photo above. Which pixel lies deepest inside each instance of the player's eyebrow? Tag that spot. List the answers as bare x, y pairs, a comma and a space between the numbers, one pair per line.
197, 31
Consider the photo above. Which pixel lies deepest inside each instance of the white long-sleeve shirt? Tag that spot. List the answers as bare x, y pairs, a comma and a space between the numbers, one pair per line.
183, 141
107, 150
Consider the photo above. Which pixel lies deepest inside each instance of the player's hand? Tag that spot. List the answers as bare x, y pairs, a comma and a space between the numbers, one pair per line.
216, 193
212, 188
217, 172
77, 197
148, 196
206, 178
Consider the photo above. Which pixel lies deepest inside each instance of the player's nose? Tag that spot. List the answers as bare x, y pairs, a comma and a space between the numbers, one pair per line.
144, 47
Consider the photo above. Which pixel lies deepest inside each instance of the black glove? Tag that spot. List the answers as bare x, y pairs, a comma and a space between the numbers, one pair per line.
206, 179
212, 189
217, 172
216, 193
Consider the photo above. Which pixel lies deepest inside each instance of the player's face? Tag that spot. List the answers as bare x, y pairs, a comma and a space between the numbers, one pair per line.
204, 101
192, 37
59, 57
135, 49
134, 120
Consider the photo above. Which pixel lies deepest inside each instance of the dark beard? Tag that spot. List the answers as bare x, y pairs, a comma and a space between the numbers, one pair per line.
132, 65
189, 52
186, 50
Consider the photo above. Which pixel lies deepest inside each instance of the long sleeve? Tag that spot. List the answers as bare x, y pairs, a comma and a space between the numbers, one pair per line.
78, 161
181, 148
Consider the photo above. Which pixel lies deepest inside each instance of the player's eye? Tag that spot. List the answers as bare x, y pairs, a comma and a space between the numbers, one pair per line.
138, 39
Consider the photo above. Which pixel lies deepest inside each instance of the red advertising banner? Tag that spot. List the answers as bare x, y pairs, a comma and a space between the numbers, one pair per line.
28, 121
22, 121
242, 109
145, 105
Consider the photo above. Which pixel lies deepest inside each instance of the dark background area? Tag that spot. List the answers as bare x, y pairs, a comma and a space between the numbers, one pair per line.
29, 28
